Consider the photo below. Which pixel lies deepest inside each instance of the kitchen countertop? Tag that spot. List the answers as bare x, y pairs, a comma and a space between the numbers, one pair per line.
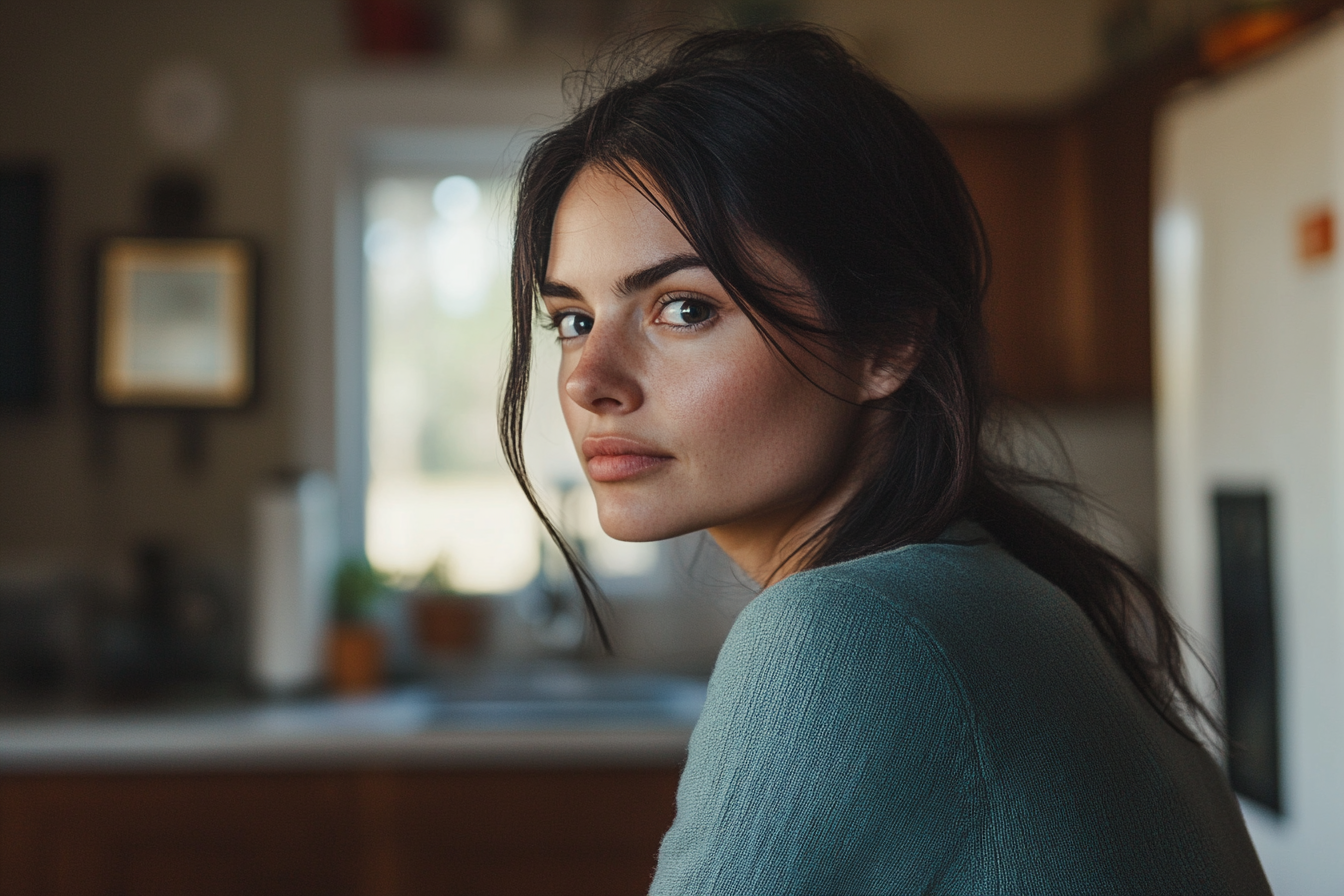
515, 720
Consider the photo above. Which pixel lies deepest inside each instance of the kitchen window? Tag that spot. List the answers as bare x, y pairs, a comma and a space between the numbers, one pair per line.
406, 311
436, 261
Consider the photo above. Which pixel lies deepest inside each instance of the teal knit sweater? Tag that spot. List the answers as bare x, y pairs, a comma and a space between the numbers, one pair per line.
940, 719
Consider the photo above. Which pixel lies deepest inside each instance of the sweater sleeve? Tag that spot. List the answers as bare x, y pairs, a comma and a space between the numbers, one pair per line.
834, 754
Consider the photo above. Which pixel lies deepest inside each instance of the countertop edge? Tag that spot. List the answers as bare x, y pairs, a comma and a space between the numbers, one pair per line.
426, 749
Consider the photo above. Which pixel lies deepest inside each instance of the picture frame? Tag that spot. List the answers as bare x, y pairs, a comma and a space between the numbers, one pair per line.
175, 323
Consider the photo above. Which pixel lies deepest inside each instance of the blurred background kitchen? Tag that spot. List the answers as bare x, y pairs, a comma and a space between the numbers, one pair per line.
274, 616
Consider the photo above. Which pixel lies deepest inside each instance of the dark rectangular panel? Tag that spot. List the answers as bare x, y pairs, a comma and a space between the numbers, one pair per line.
22, 253
1250, 660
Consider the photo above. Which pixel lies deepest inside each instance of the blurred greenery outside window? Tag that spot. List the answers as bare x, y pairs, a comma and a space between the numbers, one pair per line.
437, 285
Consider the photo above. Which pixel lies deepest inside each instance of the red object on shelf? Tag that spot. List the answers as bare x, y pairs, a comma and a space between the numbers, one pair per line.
1316, 235
1242, 36
391, 28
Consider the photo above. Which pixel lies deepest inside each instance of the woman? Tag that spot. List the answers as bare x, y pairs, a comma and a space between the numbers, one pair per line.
766, 275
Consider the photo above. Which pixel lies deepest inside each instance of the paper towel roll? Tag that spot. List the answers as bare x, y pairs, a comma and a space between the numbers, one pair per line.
294, 554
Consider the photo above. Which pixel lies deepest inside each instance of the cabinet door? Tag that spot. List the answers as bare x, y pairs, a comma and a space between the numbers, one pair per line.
517, 831
87, 835
484, 831
1012, 169
1064, 197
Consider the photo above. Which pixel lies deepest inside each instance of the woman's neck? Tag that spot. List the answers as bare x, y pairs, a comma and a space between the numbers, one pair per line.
773, 546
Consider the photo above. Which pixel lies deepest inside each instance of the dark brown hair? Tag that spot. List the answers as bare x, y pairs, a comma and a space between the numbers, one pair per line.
781, 137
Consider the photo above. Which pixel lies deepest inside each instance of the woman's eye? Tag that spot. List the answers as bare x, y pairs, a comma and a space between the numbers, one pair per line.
685, 312
571, 324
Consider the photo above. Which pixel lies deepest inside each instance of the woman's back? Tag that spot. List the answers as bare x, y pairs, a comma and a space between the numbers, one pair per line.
939, 718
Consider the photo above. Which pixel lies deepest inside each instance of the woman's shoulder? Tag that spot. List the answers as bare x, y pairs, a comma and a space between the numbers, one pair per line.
831, 723
961, 579
960, 608
874, 629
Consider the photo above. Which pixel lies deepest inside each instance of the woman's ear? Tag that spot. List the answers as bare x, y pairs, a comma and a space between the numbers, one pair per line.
882, 377
884, 374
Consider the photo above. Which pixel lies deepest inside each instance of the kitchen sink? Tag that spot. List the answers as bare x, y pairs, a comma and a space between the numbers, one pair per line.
554, 697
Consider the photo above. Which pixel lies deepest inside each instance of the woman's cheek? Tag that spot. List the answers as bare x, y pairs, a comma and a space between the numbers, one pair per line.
730, 410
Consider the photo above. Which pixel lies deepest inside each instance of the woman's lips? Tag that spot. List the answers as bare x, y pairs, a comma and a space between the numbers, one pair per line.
611, 458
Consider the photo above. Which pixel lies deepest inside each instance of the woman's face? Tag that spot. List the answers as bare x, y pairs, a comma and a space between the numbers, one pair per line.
682, 414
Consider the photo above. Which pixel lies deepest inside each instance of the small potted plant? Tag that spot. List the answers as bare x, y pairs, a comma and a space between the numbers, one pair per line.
356, 645
446, 623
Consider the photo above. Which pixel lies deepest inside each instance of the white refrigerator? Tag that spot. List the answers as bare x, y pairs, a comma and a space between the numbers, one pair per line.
1249, 332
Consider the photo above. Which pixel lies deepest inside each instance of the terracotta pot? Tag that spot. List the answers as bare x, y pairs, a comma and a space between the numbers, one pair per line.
355, 657
445, 624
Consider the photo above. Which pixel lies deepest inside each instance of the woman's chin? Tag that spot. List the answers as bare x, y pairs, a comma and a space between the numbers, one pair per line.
630, 524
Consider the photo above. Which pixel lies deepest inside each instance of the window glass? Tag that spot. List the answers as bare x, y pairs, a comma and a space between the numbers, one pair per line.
437, 281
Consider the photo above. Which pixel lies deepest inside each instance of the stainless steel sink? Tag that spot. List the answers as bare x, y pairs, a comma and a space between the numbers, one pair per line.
565, 697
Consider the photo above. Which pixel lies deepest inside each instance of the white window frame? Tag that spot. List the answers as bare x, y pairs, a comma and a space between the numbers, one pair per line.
345, 127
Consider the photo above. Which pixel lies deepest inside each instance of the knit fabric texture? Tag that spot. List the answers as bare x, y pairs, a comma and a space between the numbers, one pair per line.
940, 719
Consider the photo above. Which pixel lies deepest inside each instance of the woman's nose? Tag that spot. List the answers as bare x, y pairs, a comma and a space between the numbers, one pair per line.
605, 378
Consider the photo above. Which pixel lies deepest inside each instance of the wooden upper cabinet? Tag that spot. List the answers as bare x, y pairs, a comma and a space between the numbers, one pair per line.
1012, 170
1066, 203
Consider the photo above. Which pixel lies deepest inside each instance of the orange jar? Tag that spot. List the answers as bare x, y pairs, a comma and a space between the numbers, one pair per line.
355, 652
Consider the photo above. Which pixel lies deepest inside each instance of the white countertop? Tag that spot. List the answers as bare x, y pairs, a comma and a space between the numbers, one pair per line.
412, 727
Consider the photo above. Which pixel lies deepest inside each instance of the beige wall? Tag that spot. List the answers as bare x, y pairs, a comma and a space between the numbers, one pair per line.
70, 78
976, 55
71, 72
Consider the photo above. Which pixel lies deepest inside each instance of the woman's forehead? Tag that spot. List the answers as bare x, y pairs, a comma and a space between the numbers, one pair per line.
603, 222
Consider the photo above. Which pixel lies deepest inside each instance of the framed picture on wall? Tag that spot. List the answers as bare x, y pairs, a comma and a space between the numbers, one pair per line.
175, 323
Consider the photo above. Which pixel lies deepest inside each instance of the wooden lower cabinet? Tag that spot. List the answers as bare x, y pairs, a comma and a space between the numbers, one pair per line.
505, 831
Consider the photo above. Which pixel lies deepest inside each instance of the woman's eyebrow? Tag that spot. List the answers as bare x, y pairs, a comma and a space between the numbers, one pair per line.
643, 279
554, 289
630, 283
